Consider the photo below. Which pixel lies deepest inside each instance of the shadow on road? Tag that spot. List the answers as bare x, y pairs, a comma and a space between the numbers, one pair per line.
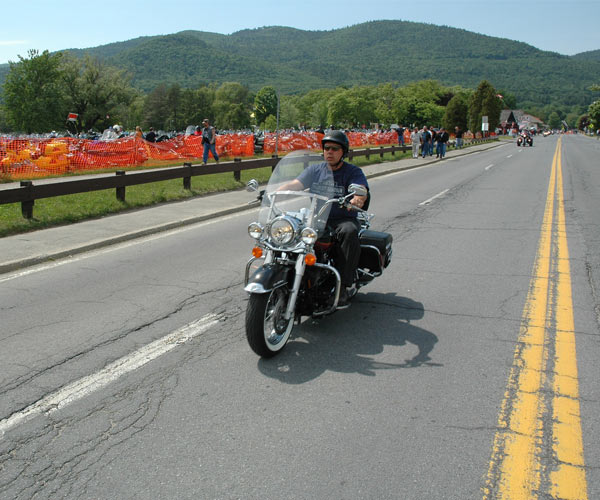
345, 341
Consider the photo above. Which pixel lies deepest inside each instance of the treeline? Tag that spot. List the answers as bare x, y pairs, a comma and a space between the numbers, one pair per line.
42, 89
297, 61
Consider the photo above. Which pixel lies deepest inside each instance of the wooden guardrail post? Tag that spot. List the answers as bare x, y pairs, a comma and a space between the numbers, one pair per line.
237, 174
120, 189
187, 180
27, 206
381, 152
367, 152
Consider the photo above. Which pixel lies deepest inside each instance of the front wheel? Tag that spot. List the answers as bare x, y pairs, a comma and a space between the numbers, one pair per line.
267, 330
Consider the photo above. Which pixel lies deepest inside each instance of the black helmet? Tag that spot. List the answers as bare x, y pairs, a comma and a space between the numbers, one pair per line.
338, 137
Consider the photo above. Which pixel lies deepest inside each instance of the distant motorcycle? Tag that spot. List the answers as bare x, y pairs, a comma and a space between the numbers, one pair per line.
524, 140
297, 276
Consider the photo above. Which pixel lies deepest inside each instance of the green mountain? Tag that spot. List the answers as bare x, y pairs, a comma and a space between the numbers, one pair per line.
296, 61
591, 55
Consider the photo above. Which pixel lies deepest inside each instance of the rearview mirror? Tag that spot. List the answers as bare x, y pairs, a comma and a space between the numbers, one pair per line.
357, 190
252, 185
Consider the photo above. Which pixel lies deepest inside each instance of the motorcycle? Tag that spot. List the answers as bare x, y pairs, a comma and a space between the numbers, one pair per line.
524, 140
292, 270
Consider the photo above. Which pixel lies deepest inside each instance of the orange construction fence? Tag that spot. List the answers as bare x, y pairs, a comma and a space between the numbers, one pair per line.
292, 141
28, 158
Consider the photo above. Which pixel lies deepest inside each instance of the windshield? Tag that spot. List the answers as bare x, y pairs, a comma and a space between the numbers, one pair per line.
304, 205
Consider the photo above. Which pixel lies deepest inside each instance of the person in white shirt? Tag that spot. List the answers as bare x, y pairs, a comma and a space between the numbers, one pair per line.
415, 139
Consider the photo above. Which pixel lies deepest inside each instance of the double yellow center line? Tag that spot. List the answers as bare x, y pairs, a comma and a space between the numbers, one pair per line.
538, 447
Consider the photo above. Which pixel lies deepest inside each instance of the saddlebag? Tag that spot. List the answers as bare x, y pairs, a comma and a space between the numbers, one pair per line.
375, 250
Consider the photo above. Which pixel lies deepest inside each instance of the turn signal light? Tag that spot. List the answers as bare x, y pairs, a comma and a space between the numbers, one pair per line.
257, 252
310, 259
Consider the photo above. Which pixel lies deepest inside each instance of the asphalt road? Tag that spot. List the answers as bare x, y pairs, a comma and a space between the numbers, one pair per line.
432, 385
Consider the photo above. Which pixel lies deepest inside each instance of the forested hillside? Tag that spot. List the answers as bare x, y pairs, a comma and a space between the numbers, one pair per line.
591, 55
296, 61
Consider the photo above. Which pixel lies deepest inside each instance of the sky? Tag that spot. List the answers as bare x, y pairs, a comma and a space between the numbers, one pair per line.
564, 26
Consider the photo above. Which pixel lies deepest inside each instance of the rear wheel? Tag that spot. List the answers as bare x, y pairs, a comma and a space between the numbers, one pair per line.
267, 330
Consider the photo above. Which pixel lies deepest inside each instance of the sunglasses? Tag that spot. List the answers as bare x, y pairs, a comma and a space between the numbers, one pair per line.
331, 148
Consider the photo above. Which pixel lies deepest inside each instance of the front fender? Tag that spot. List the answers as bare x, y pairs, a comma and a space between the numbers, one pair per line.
268, 277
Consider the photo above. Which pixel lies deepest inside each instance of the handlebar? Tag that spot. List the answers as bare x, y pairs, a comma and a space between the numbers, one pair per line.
343, 201
259, 198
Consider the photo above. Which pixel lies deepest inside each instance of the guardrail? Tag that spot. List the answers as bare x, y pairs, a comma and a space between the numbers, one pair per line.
28, 192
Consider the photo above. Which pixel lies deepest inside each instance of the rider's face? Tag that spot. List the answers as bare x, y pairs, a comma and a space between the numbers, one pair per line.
333, 153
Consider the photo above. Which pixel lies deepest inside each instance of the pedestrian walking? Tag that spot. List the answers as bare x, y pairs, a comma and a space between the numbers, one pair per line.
209, 137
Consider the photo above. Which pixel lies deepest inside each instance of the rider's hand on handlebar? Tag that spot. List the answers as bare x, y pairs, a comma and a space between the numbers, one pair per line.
358, 201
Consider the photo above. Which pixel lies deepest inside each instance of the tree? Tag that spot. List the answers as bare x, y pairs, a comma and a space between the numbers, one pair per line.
313, 107
197, 104
32, 93
232, 106
554, 120
288, 113
594, 113
156, 110
134, 113
509, 99
484, 102
338, 110
363, 102
174, 117
421, 103
571, 120
384, 108
583, 122
270, 123
98, 93
456, 112
265, 104
3, 123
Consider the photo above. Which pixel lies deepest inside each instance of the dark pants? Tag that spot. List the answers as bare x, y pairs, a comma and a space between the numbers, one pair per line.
347, 248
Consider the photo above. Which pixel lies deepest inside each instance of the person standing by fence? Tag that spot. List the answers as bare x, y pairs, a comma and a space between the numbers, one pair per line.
459, 137
426, 141
442, 139
415, 139
208, 141
400, 132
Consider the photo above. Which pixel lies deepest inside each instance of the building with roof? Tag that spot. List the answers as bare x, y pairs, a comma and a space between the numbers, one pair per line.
510, 117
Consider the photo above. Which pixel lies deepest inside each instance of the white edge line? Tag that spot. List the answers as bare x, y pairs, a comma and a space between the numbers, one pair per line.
434, 197
111, 372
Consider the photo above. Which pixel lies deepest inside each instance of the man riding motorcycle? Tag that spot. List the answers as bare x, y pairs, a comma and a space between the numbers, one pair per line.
342, 221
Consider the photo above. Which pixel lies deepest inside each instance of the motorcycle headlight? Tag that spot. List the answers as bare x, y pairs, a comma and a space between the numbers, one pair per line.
309, 235
282, 231
255, 230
